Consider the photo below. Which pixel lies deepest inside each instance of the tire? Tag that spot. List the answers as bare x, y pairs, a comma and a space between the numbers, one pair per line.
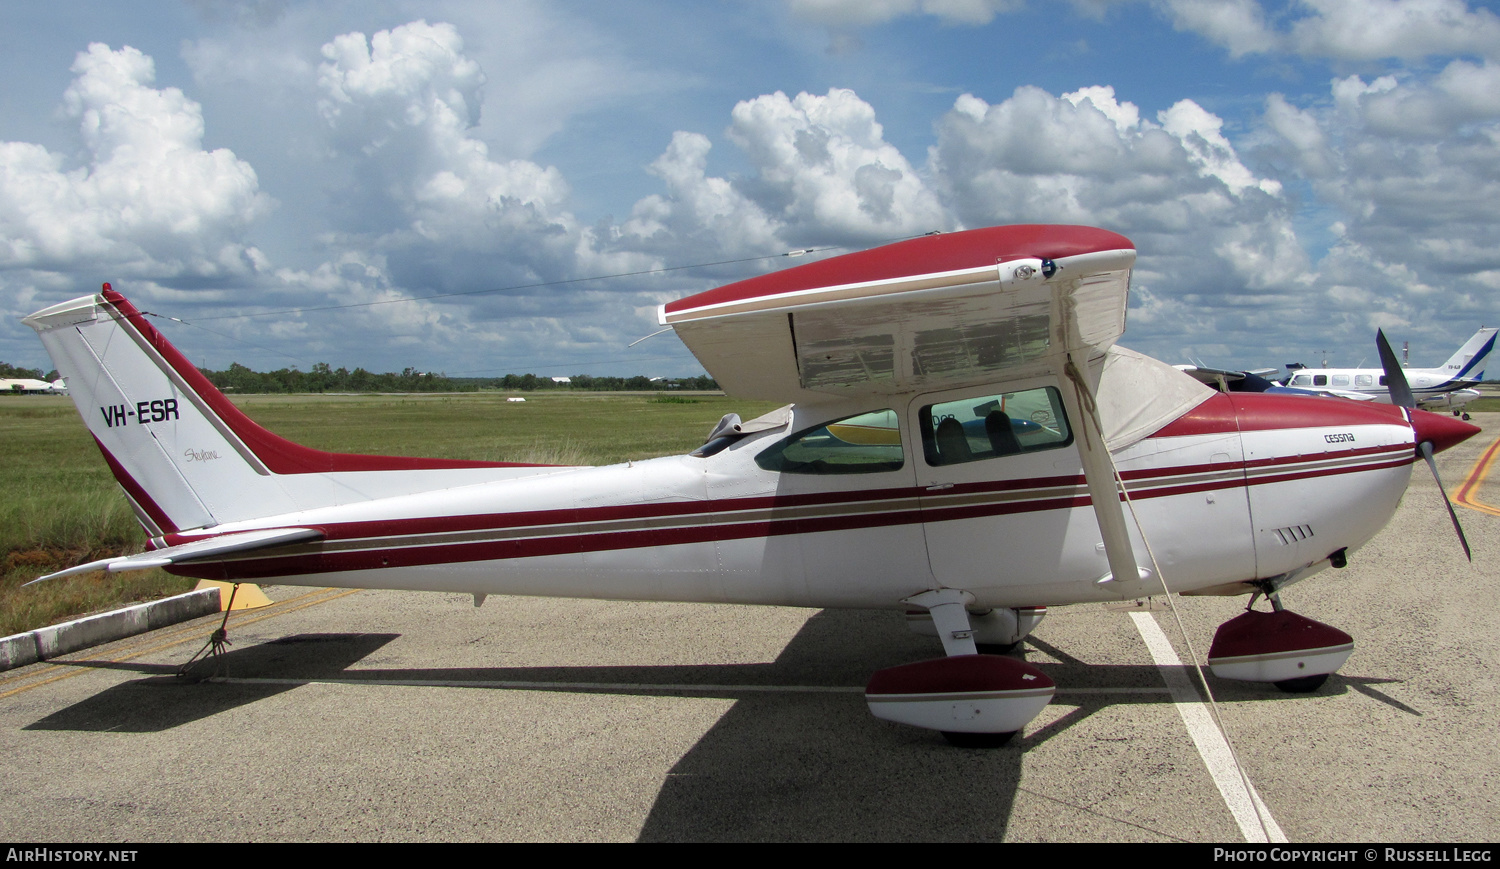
1303, 684
996, 648
977, 740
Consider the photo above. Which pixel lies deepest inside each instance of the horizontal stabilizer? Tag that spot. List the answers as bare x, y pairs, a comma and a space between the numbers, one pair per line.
198, 550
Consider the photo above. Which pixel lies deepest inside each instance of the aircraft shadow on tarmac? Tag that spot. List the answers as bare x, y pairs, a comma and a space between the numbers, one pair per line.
778, 765
819, 768
162, 700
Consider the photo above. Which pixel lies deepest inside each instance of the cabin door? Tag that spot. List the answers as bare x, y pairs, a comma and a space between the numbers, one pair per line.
999, 482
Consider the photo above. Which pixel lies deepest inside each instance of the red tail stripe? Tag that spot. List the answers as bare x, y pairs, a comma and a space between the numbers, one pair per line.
136, 492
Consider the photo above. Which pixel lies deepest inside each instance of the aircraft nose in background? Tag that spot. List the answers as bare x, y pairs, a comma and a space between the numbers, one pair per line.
1442, 430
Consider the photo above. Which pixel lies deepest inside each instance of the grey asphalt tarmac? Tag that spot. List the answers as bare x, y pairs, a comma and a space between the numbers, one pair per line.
382, 716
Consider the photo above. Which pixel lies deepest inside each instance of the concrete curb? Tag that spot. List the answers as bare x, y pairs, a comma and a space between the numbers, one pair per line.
39, 645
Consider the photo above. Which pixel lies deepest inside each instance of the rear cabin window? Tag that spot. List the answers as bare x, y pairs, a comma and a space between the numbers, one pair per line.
868, 443
988, 427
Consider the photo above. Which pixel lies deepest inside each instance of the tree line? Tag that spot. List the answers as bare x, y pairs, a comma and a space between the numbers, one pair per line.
16, 372
324, 378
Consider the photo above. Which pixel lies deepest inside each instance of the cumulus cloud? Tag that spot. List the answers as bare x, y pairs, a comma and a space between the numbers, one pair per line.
822, 173
1404, 170
1300, 136
402, 105
697, 208
1238, 25
1217, 242
1085, 156
1199, 131
1359, 30
1343, 30
1366, 202
865, 13
148, 200
1424, 108
822, 163
1420, 167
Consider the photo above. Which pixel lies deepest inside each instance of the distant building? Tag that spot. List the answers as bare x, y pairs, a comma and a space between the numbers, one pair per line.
27, 386
562, 380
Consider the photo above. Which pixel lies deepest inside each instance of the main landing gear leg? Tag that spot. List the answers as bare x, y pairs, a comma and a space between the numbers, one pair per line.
1294, 652
996, 631
974, 700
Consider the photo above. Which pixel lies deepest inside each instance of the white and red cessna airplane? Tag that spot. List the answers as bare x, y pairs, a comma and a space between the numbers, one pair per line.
964, 443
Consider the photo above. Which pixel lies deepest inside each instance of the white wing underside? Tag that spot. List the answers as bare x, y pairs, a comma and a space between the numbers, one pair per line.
914, 333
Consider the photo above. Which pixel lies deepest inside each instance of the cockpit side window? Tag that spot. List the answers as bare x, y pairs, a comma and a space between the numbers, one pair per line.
868, 443
988, 427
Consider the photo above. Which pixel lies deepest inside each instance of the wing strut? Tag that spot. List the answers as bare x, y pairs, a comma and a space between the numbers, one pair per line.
1099, 473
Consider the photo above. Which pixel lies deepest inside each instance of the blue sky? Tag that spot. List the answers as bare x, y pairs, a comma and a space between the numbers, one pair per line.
1294, 175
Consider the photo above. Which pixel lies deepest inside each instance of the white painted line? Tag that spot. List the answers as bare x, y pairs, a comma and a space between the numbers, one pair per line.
1209, 741
1066, 691
553, 686
619, 686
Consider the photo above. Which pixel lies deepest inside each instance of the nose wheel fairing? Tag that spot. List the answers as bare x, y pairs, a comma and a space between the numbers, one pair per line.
1283, 647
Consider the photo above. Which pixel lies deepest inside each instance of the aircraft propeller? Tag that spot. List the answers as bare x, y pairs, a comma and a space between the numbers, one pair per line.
1401, 396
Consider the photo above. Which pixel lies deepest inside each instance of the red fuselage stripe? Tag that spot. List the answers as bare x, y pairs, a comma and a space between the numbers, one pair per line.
383, 541
136, 492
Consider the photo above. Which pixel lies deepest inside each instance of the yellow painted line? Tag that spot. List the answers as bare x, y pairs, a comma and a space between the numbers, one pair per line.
1468, 493
70, 668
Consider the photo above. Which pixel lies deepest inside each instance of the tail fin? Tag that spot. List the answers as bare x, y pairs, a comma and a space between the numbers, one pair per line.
1465, 364
185, 455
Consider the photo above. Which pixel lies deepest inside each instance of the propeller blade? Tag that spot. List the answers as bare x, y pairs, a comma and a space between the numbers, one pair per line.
1395, 378
1425, 447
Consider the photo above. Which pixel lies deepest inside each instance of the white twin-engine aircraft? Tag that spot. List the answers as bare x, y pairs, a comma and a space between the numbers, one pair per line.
964, 444
1447, 387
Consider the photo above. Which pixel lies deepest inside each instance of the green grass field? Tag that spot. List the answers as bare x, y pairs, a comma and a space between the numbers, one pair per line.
61, 507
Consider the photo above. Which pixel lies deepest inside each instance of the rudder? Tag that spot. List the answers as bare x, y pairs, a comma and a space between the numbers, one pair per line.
1464, 365
181, 464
